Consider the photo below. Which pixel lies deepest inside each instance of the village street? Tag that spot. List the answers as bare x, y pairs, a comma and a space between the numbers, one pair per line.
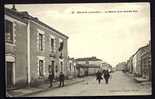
120, 84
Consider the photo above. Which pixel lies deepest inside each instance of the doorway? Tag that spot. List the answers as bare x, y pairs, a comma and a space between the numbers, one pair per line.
9, 74
52, 67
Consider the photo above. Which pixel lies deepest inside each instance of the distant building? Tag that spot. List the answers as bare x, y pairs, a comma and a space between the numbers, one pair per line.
88, 66
106, 66
121, 66
32, 49
71, 68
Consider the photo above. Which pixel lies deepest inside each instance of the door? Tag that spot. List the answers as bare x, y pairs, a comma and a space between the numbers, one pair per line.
61, 66
9, 74
52, 67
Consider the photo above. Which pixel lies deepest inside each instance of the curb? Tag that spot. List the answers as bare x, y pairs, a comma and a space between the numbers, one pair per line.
47, 89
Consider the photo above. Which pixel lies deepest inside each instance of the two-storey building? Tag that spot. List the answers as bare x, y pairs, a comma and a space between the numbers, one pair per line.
88, 66
32, 49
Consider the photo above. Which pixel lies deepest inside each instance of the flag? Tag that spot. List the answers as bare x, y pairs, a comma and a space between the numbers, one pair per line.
61, 46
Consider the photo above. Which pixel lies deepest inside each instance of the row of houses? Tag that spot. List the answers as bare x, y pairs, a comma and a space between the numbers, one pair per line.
32, 49
139, 64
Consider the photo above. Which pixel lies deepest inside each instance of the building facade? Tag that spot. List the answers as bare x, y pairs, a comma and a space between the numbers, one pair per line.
130, 65
140, 63
15, 50
33, 49
146, 63
88, 66
106, 66
137, 61
121, 66
71, 68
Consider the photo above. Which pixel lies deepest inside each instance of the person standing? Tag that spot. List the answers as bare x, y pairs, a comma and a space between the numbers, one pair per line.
61, 79
99, 76
106, 76
51, 77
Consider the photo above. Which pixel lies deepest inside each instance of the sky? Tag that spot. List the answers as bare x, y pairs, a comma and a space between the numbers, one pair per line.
95, 31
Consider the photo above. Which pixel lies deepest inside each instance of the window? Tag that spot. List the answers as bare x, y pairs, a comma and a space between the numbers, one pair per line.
52, 66
40, 67
41, 41
8, 31
61, 57
9, 74
52, 44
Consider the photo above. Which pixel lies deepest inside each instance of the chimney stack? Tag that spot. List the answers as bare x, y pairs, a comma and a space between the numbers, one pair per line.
13, 7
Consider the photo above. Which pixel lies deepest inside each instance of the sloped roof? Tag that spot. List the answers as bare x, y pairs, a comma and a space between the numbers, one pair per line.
24, 15
15, 14
141, 49
87, 66
88, 59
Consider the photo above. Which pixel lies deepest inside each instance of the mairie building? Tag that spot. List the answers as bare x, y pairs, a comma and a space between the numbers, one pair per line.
32, 50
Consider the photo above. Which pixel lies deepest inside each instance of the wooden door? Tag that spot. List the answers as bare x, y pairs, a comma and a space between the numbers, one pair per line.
9, 74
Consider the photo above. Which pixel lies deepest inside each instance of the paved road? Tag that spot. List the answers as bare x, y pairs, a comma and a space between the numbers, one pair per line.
120, 84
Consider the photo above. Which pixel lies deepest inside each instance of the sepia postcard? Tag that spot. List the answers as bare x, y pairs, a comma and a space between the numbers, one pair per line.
82, 49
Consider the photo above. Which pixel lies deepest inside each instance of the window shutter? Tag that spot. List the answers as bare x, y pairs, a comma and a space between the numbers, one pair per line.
38, 42
43, 42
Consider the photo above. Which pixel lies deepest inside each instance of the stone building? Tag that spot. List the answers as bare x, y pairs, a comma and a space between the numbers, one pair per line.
15, 49
32, 49
88, 66
146, 63
140, 65
137, 68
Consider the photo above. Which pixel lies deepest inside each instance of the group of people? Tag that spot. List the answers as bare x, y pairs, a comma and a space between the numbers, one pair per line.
100, 75
61, 79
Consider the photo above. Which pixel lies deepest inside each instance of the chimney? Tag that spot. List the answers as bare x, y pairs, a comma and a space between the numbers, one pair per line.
13, 7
